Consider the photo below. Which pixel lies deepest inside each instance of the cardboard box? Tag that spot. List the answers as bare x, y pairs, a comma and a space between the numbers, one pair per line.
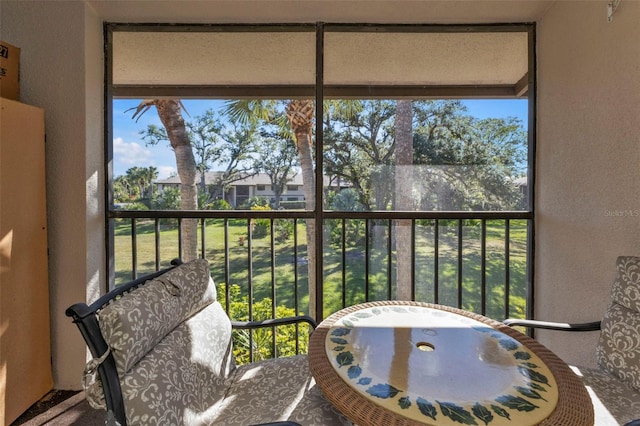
9, 71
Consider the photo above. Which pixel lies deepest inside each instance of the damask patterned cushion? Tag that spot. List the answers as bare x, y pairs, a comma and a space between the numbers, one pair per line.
182, 380
618, 350
275, 390
135, 323
177, 384
173, 350
614, 402
626, 287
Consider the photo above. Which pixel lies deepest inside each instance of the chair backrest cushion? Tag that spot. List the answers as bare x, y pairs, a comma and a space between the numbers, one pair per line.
618, 350
184, 377
134, 323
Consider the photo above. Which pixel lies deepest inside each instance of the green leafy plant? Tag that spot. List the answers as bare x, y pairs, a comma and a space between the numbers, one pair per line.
289, 339
283, 230
260, 227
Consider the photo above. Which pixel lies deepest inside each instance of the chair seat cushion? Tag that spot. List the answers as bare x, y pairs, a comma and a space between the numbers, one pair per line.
614, 402
275, 390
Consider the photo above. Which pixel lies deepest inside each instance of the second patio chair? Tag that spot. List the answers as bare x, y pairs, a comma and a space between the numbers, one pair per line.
614, 386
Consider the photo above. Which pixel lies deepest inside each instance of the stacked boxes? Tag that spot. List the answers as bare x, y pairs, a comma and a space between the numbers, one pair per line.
9, 71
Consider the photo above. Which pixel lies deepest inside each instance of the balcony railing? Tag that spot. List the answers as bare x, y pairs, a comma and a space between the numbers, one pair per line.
478, 261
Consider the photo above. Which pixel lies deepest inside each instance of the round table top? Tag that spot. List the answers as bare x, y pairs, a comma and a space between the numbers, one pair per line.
428, 364
412, 363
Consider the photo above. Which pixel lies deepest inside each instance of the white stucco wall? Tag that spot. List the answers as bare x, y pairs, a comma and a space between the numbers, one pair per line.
588, 163
588, 149
61, 71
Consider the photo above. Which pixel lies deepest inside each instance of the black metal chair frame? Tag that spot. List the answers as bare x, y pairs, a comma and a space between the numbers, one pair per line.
85, 318
547, 325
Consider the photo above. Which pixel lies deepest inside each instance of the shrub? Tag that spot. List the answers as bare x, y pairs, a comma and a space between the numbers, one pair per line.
261, 339
138, 205
260, 227
220, 205
292, 205
168, 199
283, 228
255, 201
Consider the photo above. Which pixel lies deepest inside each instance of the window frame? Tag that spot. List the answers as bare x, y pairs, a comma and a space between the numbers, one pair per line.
319, 91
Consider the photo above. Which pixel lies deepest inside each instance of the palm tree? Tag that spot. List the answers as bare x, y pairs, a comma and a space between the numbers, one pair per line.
169, 111
142, 178
149, 175
132, 177
299, 120
299, 114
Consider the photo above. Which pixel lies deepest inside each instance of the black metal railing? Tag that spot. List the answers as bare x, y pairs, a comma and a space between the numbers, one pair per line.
478, 261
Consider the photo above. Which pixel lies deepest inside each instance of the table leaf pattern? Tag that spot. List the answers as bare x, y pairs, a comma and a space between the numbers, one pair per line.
516, 403
383, 391
537, 387
404, 402
354, 371
521, 400
456, 413
340, 332
344, 358
481, 412
339, 341
533, 375
500, 411
426, 408
509, 344
529, 393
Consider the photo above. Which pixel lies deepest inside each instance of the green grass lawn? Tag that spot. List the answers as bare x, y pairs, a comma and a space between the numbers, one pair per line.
273, 274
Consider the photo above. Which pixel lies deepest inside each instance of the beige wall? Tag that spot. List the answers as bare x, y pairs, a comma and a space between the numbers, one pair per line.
588, 146
588, 160
61, 71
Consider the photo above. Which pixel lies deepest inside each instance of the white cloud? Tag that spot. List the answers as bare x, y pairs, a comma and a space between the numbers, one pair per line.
166, 171
130, 153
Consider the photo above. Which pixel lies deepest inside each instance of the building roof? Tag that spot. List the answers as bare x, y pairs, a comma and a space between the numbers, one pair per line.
259, 179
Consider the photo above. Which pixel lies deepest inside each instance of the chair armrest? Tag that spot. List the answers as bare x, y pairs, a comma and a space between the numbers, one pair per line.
274, 322
561, 326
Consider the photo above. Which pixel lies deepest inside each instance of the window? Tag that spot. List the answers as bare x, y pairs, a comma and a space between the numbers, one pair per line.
421, 137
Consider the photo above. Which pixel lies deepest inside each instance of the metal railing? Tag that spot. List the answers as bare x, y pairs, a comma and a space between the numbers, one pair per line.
477, 261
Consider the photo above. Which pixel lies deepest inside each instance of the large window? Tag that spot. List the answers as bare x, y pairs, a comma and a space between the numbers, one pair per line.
326, 165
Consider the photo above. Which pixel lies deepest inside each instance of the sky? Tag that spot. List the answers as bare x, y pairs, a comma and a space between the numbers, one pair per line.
129, 150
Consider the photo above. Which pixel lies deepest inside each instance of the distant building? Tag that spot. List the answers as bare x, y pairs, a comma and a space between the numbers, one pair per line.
253, 186
523, 184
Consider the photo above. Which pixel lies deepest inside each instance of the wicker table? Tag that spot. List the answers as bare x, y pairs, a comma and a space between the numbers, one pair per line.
411, 363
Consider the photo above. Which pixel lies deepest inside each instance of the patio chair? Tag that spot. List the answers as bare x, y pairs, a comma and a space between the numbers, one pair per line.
614, 386
163, 354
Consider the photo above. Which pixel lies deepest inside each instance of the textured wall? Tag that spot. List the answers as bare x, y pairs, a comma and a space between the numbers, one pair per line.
61, 71
588, 158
